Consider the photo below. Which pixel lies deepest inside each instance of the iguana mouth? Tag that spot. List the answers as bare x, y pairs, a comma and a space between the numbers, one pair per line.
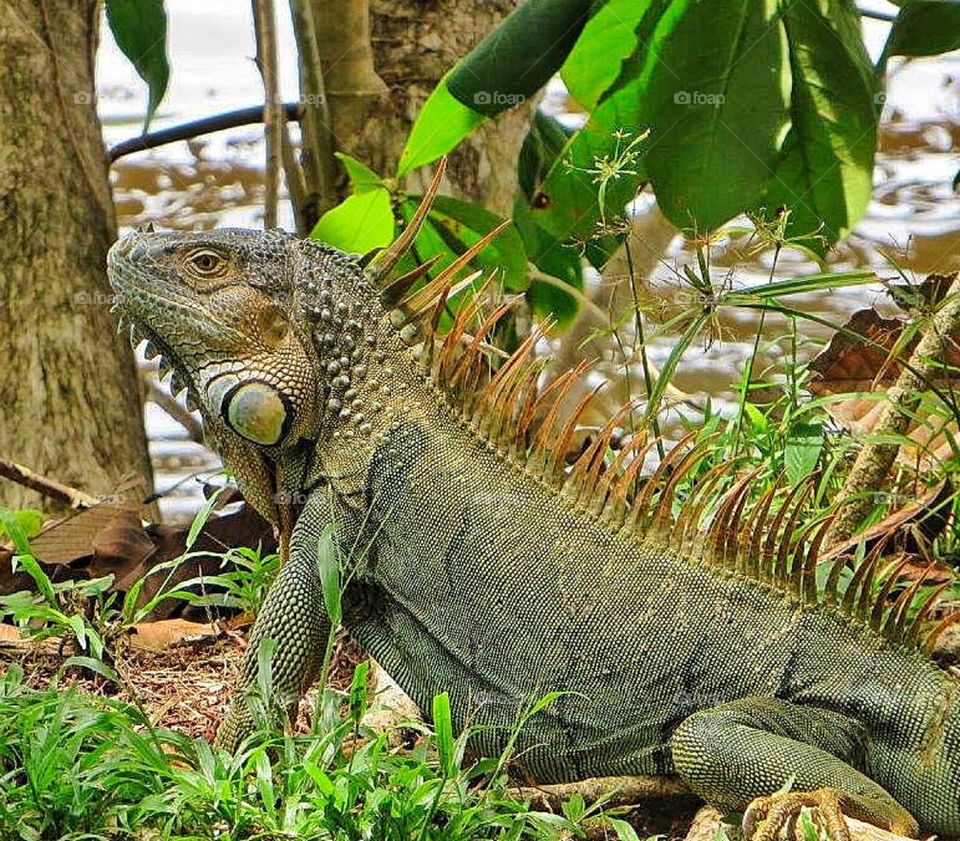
123, 278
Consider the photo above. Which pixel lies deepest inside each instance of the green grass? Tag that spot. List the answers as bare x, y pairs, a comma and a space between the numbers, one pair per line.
75, 766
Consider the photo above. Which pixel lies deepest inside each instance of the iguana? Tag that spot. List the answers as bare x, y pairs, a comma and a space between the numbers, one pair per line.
483, 565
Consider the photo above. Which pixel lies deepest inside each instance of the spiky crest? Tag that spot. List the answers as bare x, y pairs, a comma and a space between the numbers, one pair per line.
532, 425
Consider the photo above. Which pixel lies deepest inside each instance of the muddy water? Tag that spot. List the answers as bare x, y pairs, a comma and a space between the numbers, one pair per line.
913, 223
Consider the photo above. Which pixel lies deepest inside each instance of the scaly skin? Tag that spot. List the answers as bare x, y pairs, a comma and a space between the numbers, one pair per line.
474, 575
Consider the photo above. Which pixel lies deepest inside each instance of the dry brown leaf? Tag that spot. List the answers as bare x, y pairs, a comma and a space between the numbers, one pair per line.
167, 633
868, 364
910, 528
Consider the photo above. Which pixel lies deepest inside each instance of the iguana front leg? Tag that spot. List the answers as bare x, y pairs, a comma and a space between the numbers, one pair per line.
294, 617
739, 754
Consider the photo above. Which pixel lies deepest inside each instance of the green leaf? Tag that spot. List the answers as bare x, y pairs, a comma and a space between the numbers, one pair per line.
140, 30
624, 831
466, 223
567, 205
519, 56
362, 178
802, 451
544, 143
926, 27
825, 169
94, 665
556, 259
758, 420
40, 578
357, 695
200, 520
441, 124
358, 224
542, 147
716, 112
329, 565
574, 808
27, 523
443, 727
606, 48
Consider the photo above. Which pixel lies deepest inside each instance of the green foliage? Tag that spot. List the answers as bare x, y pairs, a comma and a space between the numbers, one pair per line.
140, 30
925, 27
759, 106
443, 122
87, 613
26, 523
519, 56
360, 223
75, 766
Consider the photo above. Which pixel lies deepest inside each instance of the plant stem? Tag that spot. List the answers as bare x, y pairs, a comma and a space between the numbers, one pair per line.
319, 164
642, 343
748, 370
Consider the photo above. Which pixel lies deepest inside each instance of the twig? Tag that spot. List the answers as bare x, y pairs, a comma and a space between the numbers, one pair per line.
626, 791
874, 462
193, 427
296, 186
64, 494
264, 19
195, 128
318, 146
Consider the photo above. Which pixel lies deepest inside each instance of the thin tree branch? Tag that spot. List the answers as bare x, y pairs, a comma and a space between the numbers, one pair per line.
157, 395
319, 164
296, 186
266, 34
874, 463
195, 128
63, 494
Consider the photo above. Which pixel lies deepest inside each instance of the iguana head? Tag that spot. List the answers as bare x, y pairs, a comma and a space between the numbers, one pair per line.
219, 308
267, 331
284, 344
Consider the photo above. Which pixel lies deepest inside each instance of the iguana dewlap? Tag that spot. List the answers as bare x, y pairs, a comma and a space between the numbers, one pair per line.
479, 564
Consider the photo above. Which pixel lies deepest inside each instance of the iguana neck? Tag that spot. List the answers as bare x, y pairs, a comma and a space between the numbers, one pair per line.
388, 392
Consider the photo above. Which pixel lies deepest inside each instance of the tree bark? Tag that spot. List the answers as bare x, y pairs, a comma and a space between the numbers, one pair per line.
70, 402
382, 59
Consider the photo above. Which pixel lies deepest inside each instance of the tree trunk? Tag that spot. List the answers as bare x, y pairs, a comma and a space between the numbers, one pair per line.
381, 61
70, 403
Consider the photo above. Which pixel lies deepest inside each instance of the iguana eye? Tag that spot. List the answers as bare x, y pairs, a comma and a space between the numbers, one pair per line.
206, 263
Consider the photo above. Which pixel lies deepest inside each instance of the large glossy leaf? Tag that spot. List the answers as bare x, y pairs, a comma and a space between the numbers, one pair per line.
824, 175
358, 224
542, 147
441, 124
926, 27
560, 260
712, 84
519, 56
140, 30
607, 47
567, 205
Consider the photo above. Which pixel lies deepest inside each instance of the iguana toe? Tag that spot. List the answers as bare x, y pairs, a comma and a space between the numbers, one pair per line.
766, 817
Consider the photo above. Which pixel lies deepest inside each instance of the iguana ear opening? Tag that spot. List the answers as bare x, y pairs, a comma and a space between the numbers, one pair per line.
258, 412
255, 410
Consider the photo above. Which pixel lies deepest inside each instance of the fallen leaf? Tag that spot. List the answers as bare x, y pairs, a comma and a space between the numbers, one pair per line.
872, 362
167, 633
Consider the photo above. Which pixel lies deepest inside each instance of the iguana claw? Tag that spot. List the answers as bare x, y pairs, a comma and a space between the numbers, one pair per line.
766, 817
